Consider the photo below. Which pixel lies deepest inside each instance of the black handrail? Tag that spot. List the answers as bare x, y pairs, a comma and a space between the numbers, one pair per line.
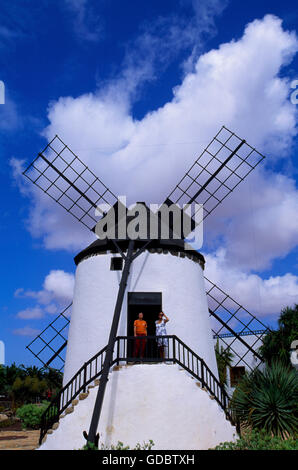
176, 352
90, 371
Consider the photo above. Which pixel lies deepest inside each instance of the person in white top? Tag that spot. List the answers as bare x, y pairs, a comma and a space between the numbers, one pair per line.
160, 325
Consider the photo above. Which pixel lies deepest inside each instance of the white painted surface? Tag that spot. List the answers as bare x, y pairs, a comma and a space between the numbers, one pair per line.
142, 402
184, 300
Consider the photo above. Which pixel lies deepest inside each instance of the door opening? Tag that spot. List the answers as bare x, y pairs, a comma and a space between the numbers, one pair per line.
150, 304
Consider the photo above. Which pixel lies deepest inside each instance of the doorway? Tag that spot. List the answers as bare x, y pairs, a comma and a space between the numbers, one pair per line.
150, 304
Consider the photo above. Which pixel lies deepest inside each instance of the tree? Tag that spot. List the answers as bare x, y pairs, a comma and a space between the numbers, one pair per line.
53, 378
224, 359
8, 375
277, 344
24, 384
28, 389
33, 371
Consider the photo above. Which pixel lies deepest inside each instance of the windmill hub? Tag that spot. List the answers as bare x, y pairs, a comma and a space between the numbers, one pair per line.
142, 222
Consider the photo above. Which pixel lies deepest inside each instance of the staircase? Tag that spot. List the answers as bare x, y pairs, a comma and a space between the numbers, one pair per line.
88, 377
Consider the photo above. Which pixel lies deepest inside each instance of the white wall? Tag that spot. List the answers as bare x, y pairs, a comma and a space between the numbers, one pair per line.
183, 295
142, 402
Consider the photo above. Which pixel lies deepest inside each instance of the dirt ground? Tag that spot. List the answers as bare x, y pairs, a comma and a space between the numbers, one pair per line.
14, 438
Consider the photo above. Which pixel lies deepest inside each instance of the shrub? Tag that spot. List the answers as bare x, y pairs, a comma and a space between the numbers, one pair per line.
30, 415
120, 446
260, 440
268, 400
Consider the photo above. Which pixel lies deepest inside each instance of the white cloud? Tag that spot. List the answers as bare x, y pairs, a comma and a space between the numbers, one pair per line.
42, 297
59, 284
258, 223
31, 313
263, 297
56, 294
245, 94
26, 331
239, 85
52, 309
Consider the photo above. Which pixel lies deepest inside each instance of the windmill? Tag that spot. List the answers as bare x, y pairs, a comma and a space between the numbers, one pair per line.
219, 169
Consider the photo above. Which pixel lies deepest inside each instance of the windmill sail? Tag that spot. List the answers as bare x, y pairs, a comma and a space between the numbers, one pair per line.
66, 179
220, 168
49, 345
232, 324
60, 174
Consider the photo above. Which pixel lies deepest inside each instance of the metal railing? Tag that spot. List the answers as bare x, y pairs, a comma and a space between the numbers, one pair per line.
173, 351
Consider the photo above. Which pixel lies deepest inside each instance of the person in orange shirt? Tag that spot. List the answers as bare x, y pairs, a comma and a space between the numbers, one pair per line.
140, 333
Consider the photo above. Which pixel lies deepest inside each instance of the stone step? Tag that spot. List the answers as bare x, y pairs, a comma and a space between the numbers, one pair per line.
69, 410
83, 395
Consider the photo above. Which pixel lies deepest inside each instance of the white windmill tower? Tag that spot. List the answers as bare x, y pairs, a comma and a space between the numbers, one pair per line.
118, 277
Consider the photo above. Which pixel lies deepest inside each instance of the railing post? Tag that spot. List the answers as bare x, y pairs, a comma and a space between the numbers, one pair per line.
85, 377
202, 374
42, 427
174, 349
118, 351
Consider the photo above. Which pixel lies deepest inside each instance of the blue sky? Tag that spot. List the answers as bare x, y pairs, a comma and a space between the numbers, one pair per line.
129, 69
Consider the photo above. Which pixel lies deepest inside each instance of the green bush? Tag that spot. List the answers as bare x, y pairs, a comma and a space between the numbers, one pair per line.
30, 415
268, 400
120, 446
260, 440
